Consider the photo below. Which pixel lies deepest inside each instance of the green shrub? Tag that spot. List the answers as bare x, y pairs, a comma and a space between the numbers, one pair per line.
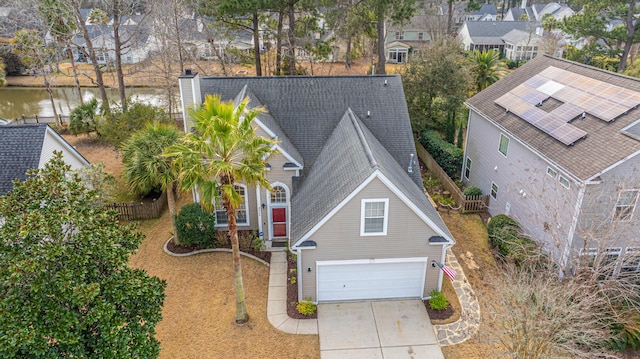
82, 119
306, 307
472, 191
196, 227
438, 301
506, 235
626, 335
447, 155
444, 200
116, 127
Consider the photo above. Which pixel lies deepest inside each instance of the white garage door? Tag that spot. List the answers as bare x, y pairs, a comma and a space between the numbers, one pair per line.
371, 279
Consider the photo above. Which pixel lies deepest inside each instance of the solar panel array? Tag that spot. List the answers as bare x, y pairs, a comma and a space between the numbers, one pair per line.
580, 95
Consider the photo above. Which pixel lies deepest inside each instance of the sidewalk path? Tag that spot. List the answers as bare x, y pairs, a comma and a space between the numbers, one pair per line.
469, 322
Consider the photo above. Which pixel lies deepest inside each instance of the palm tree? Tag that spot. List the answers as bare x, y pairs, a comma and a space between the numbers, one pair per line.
223, 150
145, 167
488, 68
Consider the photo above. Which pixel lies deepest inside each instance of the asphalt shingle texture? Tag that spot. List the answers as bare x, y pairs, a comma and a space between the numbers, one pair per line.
20, 150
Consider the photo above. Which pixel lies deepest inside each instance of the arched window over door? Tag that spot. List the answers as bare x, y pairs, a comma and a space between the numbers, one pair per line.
279, 205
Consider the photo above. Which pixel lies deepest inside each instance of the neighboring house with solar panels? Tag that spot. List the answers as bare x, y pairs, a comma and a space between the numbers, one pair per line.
23, 147
347, 194
556, 146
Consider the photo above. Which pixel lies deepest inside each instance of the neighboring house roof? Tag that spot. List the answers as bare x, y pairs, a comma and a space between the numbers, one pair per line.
519, 37
491, 32
606, 144
21, 149
319, 118
486, 9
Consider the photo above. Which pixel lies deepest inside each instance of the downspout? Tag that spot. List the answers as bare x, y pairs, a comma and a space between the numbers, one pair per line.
300, 271
259, 207
574, 223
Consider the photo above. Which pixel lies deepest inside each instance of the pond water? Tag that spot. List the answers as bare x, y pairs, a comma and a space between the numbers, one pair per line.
18, 101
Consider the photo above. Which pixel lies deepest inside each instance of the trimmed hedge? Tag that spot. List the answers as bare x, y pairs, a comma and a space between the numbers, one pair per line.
506, 235
447, 155
196, 227
472, 191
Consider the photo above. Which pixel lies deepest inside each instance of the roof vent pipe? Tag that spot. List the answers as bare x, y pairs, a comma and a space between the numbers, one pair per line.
410, 169
368, 113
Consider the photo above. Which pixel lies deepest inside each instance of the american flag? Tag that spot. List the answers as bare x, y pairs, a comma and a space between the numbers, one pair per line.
448, 271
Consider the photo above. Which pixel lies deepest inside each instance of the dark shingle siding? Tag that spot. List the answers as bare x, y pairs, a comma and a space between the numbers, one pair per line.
20, 150
605, 144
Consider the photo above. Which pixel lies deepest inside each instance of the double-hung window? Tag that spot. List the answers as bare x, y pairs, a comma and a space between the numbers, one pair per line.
467, 168
241, 215
626, 204
374, 217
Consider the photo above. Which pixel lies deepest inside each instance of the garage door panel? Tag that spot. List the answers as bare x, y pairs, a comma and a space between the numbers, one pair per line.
370, 280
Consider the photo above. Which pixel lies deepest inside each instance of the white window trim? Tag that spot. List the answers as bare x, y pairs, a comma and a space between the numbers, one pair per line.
633, 209
362, 216
567, 185
278, 205
491, 190
467, 168
246, 208
551, 170
508, 142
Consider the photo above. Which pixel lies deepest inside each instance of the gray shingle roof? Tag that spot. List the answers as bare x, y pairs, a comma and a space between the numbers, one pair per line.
309, 108
316, 114
20, 149
352, 153
605, 144
494, 29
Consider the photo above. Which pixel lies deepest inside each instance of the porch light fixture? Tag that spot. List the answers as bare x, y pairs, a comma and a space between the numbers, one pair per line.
263, 206
308, 269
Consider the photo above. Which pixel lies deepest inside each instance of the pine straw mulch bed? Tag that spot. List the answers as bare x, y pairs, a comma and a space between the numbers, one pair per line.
181, 249
292, 291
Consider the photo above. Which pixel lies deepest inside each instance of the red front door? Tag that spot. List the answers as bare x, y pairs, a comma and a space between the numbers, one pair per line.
279, 222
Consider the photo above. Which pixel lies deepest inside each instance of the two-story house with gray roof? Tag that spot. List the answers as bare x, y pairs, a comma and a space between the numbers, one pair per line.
556, 145
346, 190
23, 147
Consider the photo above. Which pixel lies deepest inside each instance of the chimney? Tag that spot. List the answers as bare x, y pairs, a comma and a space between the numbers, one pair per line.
524, 4
189, 94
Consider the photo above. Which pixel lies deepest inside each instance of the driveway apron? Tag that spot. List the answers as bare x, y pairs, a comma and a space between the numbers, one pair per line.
377, 329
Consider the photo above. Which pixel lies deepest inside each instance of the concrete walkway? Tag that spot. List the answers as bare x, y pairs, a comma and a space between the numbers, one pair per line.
469, 322
277, 300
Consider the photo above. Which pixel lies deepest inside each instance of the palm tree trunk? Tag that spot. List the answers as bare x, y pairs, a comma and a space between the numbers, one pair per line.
171, 203
242, 316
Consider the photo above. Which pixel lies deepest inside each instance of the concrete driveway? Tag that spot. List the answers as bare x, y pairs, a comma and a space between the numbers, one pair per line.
377, 330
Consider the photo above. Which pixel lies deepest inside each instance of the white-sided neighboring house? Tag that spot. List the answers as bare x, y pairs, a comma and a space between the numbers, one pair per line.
347, 195
556, 144
537, 12
23, 147
513, 39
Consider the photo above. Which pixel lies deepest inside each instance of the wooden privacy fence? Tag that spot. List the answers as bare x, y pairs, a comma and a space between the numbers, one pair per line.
135, 211
471, 204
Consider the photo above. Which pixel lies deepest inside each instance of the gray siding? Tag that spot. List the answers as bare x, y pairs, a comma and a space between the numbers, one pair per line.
547, 210
598, 208
339, 238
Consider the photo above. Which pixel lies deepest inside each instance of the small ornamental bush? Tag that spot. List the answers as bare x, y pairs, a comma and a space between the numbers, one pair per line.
438, 301
306, 307
196, 227
82, 119
447, 155
506, 235
444, 200
472, 191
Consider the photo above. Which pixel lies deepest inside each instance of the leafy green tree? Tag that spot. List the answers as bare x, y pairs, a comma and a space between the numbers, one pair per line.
67, 291
146, 169
593, 22
487, 68
97, 179
523, 17
223, 150
115, 127
443, 63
